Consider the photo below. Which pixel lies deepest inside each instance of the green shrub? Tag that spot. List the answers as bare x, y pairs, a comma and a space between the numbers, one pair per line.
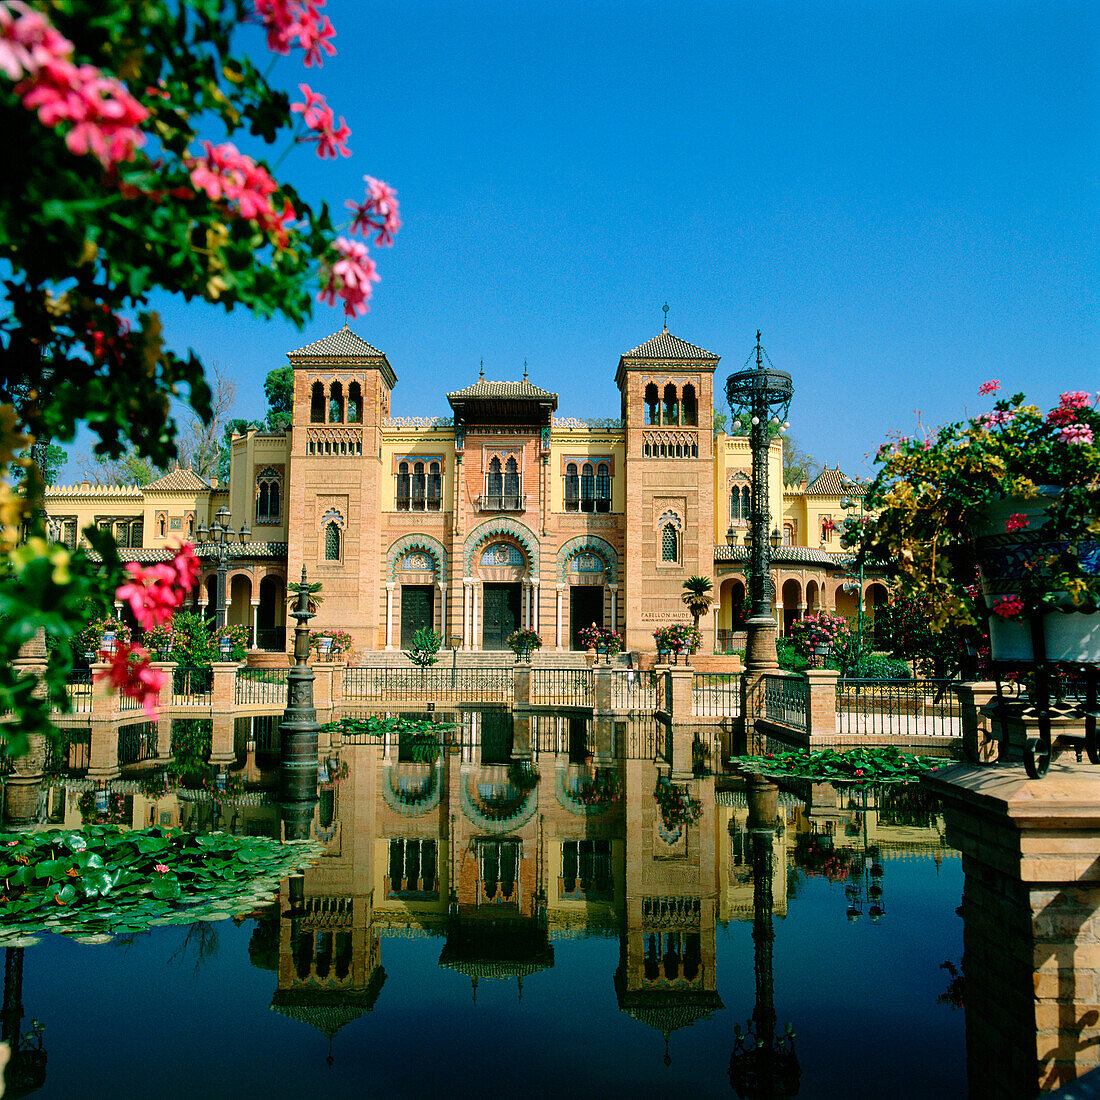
878, 667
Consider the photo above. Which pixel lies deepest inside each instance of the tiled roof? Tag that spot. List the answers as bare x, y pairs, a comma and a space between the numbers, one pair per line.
666, 346
787, 555
254, 550
833, 483
182, 479
484, 388
343, 343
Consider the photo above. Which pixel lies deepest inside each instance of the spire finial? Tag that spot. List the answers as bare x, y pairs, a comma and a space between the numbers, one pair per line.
481, 376
759, 352
665, 308
525, 370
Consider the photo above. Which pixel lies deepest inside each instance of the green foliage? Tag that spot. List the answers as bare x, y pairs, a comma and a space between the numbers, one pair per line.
861, 766
798, 465
906, 628
191, 742
877, 667
193, 643
523, 775
375, 725
51, 457
790, 658
102, 880
422, 746
279, 390
677, 808
524, 641
312, 590
424, 651
237, 633
697, 595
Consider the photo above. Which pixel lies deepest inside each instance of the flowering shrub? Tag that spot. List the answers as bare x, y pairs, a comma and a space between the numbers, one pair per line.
603, 789
90, 639
677, 638
341, 642
237, 633
825, 628
816, 857
677, 807
600, 638
524, 641
931, 497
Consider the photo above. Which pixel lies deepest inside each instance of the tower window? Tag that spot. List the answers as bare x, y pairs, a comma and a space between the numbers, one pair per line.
419, 487
317, 404
603, 487
689, 406
671, 412
435, 487
403, 487
670, 543
572, 488
355, 404
588, 488
332, 542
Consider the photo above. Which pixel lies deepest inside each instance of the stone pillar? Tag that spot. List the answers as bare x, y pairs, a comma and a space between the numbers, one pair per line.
466, 583
164, 722
224, 695
1031, 921
521, 683
223, 728
521, 737
103, 740
526, 604
979, 737
679, 705
561, 588
821, 723
443, 611
475, 640
389, 614
614, 607
322, 689
605, 742
601, 690
535, 604
255, 624
338, 670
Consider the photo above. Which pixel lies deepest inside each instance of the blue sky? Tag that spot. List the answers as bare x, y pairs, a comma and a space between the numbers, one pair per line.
903, 197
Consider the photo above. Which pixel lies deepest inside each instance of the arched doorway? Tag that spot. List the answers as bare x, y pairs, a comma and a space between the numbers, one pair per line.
876, 597
271, 614
501, 566
792, 600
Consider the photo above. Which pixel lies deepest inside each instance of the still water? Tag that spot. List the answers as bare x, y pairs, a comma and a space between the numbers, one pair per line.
464, 935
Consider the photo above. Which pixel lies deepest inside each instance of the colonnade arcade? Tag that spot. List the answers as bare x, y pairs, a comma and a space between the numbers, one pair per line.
255, 596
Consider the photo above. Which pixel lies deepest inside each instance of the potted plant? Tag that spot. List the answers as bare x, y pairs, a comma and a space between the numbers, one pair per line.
601, 639
100, 638
825, 640
329, 645
523, 642
232, 641
676, 639
1014, 491
677, 807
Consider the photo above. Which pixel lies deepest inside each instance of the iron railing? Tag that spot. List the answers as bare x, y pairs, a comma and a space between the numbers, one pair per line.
716, 694
786, 701
137, 743
192, 687
632, 690
646, 740
80, 690
913, 708
567, 687
439, 684
261, 685
731, 641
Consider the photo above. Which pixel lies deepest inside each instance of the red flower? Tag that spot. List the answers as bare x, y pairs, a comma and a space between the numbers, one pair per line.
1017, 522
987, 388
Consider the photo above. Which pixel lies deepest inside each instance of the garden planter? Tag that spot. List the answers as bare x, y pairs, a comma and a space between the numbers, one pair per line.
1069, 633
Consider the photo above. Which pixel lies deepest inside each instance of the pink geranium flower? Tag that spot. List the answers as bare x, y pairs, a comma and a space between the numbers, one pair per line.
318, 116
1078, 434
1008, 607
989, 387
377, 212
301, 20
132, 675
1017, 522
350, 278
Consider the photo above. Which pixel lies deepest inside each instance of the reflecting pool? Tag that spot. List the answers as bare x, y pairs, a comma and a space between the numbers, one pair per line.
506, 915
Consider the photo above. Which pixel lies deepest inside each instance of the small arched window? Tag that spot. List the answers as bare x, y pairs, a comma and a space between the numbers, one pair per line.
511, 484
419, 487
435, 487
355, 404
735, 503
317, 404
603, 487
162, 526
336, 404
403, 487
746, 503
268, 497
332, 541
671, 411
670, 543
689, 406
494, 483
588, 488
652, 405
572, 488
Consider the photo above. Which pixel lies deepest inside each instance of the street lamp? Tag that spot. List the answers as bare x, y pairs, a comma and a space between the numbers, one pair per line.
218, 542
848, 504
760, 395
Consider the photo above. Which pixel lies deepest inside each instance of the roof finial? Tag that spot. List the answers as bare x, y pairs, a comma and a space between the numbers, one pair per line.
665, 308
525, 370
759, 352
481, 376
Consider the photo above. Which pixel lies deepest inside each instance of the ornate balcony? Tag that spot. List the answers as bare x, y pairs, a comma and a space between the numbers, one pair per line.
504, 502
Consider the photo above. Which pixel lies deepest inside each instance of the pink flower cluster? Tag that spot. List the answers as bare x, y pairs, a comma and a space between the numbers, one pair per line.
350, 278
1080, 434
1008, 607
157, 593
224, 173
1017, 522
319, 117
301, 20
1066, 410
987, 388
377, 212
998, 419
104, 116
154, 595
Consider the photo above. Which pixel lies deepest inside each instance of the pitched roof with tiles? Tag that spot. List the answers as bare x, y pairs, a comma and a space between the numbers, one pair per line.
343, 344
485, 388
833, 483
180, 480
666, 346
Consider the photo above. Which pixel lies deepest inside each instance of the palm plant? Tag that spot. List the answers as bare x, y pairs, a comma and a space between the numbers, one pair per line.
314, 599
698, 595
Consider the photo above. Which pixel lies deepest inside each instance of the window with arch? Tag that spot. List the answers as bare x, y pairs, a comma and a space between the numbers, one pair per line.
355, 404
572, 488
268, 496
788, 535
332, 541
603, 487
419, 487
735, 504
511, 484
162, 526
189, 523
137, 533
670, 543
494, 483
403, 487
689, 406
588, 487
317, 403
652, 404
671, 410
336, 404
435, 486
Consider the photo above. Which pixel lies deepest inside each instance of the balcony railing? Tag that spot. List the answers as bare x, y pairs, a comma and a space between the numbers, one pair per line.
501, 502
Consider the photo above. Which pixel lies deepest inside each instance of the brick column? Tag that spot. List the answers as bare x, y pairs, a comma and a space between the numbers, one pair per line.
601, 689
224, 695
322, 689
1031, 921
679, 705
338, 670
521, 683
821, 705
979, 738
521, 737
103, 740
222, 731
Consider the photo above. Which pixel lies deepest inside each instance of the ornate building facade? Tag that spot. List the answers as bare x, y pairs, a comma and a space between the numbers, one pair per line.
499, 516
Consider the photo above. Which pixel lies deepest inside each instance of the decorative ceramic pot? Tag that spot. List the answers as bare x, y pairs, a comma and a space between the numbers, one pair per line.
1070, 633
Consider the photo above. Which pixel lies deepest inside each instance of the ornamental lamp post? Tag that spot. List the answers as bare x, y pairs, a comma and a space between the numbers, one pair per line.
760, 396
848, 504
218, 542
